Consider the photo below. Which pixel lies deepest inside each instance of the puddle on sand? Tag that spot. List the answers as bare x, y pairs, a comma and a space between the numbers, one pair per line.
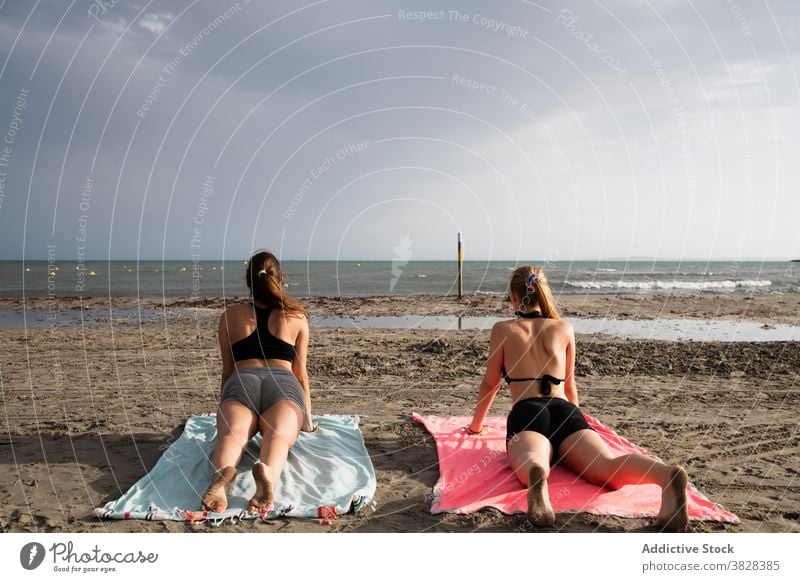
655, 329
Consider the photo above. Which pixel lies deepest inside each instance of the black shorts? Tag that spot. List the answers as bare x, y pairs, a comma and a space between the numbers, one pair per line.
555, 418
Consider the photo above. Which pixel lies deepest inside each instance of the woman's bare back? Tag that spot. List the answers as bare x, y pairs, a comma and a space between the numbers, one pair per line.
240, 322
533, 348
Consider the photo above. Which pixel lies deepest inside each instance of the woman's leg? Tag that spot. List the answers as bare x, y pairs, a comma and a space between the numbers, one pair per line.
585, 453
236, 424
279, 425
529, 454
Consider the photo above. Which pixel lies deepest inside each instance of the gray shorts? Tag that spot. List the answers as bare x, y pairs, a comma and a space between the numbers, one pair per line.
260, 388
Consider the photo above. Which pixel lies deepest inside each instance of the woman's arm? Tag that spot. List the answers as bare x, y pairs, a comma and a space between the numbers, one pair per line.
570, 389
491, 380
225, 349
299, 370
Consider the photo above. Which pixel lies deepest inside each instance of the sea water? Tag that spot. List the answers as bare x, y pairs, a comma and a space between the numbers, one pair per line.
150, 279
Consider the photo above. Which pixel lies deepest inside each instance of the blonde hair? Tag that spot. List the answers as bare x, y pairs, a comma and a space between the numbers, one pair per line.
534, 289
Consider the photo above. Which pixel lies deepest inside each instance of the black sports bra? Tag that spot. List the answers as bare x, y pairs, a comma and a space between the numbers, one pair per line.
547, 380
261, 344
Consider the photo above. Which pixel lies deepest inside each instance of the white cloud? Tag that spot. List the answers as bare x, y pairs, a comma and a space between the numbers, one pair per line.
155, 23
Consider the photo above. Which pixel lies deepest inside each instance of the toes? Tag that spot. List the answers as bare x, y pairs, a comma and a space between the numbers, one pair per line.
262, 500
671, 525
674, 515
542, 518
215, 506
544, 521
257, 506
215, 498
540, 513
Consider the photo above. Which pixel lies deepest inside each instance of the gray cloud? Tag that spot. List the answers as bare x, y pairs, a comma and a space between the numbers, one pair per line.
615, 129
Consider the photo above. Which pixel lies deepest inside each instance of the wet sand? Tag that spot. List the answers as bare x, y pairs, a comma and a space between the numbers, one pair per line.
88, 411
769, 309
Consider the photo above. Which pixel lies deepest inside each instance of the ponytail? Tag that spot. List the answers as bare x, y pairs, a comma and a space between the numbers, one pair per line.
265, 280
531, 285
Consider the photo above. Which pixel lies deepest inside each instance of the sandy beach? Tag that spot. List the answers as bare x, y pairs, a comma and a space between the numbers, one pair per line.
88, 411
764, 308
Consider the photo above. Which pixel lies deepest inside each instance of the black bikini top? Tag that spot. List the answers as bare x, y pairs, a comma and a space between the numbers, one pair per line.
261, 344
528, 314
547, 380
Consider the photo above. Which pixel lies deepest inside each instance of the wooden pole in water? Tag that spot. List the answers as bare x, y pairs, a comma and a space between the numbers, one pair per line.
460, 269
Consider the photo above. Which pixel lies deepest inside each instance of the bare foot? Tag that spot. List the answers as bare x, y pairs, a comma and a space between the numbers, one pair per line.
540, 512
216, 497
262, 500
674, 515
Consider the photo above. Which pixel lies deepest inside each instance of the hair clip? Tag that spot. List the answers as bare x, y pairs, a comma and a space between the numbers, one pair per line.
533, 278
262, 272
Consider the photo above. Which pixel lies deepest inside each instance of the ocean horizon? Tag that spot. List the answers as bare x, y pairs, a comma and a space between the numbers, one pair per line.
199, 279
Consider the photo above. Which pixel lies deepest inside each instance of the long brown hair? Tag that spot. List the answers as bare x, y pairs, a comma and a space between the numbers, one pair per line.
265, 280
537, 292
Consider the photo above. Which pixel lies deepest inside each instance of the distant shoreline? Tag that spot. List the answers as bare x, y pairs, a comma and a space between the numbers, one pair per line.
763, 307
442, 260
203, 279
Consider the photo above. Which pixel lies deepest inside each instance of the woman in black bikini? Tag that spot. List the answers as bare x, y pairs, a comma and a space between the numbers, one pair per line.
545, 425
264, 384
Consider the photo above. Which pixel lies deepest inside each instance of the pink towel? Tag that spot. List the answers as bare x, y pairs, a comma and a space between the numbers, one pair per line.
474, 473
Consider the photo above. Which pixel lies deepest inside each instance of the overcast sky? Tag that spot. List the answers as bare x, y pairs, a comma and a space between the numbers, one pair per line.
332, 129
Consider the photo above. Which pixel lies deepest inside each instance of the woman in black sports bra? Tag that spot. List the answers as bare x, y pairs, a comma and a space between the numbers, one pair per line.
264, 384
545, 425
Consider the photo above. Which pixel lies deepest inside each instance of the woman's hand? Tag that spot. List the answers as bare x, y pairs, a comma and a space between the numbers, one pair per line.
472, 432
309, 427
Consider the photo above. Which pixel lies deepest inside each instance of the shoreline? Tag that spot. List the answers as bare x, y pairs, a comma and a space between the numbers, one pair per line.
764, 308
